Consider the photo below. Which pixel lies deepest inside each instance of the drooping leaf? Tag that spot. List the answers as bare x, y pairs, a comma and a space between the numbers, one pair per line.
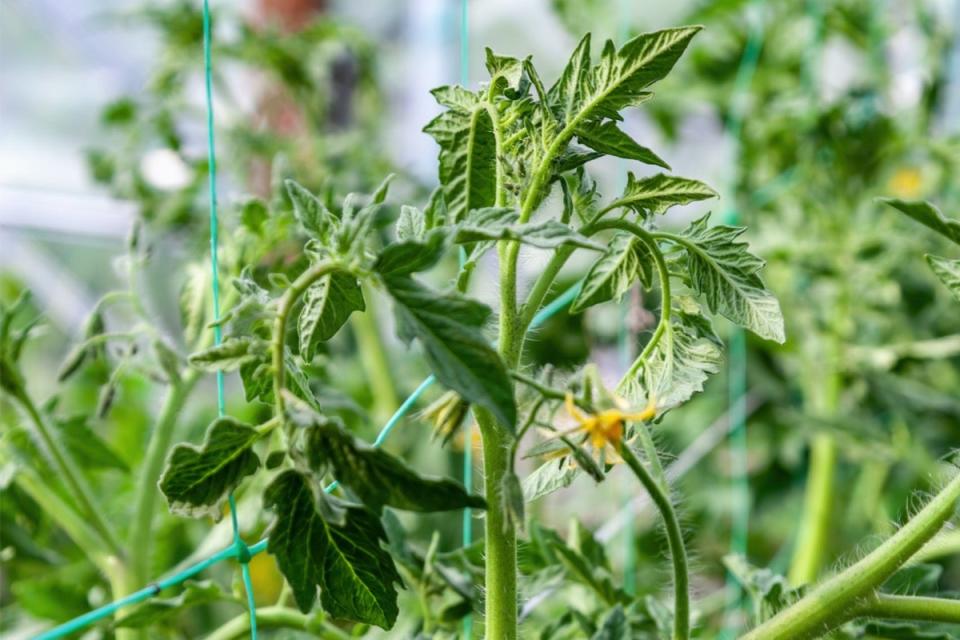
656, 194
449, 328
727, 276
346, 561
229, 354
607, 138
500, 223
625, 261
468, 152
327, 305
87, 447
377, 478
948, 271
157, 610
927, 214
687, 354
196, 480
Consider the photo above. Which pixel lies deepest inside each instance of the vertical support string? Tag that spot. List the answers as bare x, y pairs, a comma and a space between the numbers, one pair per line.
467, 527
243, 553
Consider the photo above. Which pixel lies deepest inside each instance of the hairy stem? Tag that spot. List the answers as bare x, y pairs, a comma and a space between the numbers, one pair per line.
289, 299
678, 553
838, 599
500, 542
71, 476
277, 618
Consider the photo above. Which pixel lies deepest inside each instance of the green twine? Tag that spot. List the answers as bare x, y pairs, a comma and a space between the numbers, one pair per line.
242, 553
467, 526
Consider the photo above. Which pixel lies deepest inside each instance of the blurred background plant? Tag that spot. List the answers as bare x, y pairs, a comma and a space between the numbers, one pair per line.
850, 100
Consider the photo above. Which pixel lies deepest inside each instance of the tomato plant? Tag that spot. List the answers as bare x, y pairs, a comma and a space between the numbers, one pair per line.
336, 513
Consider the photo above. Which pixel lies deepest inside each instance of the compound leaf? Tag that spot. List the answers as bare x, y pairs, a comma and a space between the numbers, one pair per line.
500, 223
625, 261
656, 194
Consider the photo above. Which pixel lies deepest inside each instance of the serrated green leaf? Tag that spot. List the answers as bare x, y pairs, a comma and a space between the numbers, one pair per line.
449, 328
158, 610
506, 73
313, 216
228, 355
345, 561
727, 276
948, 271
412, 255
656, 194
327, 305
500, 223
625, 261
196, 480
468, 171
411, 224
608, 139
377, 478
927, 214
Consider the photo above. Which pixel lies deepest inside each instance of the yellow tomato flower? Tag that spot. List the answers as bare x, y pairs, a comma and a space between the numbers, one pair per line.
606, 427
906, 183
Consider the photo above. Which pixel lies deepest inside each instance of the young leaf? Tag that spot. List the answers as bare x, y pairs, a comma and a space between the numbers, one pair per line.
228, 355
608, 139
468, 151
313, 216
196, 480
927, 214
625, 261
656, 194
500, 223
726, 275
448, 326
327, 305
376, 477
411, 224
345, 561
948, 271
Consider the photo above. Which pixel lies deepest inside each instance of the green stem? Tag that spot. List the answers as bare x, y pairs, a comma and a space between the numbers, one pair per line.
823, 397
838, 599
289, 299
912, 608
500, 543
277, 618
678, 553
140, 538
814, 531
376, 365
71, 476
